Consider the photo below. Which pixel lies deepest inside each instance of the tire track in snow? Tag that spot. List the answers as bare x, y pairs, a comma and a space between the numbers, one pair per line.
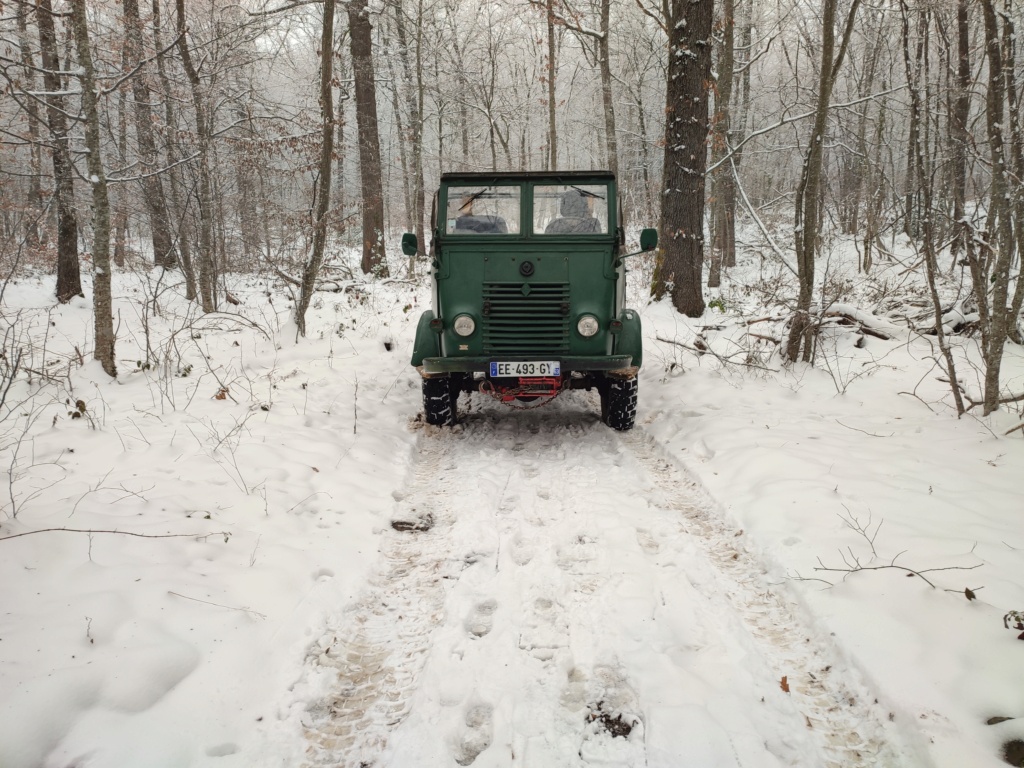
377, 646
838, 708
523, 622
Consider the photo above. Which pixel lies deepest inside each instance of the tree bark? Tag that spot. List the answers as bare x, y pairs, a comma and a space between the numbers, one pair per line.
207, 257
361, 36
178, 204
552, 127
960, 118
991, 266
35, 207
102, 301
604, 54
69, 279
152, 189
724, 196
681, 259
322, 203
922, 166
809, 192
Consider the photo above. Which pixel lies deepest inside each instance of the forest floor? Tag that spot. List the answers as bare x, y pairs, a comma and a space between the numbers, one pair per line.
248, 550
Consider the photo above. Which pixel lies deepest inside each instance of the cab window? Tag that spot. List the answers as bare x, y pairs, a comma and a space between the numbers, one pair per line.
570, 209
482, 210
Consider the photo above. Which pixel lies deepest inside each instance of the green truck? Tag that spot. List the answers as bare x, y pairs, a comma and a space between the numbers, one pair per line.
528, 293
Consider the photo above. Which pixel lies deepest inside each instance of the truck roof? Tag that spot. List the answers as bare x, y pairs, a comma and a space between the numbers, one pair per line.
525, 175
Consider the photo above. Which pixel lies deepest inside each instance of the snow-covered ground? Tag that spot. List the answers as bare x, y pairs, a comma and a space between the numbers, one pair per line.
286, 568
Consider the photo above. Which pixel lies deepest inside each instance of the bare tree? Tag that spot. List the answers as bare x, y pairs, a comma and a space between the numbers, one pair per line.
991, 261
724, 196
322, 201
69, 280
808, 194
35, 192
152, 187
921, 164
102, 301
178, 195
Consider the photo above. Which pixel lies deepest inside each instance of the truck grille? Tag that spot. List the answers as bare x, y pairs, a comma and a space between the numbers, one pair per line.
529, 320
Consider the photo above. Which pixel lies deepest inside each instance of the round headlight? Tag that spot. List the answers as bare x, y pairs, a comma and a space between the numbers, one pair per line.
587, 326
464, 325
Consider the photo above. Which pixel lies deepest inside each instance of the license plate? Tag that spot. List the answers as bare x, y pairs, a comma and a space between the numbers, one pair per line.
530, 368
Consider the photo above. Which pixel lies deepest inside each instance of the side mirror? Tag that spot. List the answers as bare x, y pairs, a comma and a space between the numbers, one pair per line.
410, 245
648, 239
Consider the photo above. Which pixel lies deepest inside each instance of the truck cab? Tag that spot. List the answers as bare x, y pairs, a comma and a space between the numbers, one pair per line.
528, 285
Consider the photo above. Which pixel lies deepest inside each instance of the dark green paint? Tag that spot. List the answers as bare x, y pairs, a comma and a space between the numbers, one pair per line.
527, 314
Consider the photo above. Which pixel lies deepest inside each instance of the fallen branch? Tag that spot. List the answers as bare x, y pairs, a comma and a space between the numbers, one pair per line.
218, 605
1004, 401
869, 434
857, 567
702, 349
90, 531
857, 318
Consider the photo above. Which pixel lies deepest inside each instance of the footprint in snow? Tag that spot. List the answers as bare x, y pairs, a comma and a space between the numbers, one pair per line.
647, 542
476, 734
522, 551
481, 619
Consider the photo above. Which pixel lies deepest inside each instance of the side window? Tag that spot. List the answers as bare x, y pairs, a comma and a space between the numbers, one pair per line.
482, 210
567, 209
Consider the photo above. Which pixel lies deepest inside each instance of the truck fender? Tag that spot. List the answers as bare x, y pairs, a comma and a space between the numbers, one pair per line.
428, 342
629, 341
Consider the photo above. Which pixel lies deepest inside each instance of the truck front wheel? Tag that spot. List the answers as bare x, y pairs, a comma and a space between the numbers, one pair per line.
618, 403
439, 401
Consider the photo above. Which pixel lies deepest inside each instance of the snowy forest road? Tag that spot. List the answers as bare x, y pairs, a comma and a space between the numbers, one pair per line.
554, 594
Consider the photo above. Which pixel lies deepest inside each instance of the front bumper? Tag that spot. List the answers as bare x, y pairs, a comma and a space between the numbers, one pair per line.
439, 365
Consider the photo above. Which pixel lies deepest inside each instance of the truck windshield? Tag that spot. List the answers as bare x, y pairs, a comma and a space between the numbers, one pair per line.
483, 210
568, 209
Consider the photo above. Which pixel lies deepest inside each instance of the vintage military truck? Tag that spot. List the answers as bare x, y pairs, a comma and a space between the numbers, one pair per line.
528, 293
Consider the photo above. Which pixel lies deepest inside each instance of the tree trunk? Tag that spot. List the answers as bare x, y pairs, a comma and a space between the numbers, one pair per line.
402, 137
921, 164
207, 257
178, 195
604, 55
69, 280
723, 248
102, 302
681, 259
414, 97
322, 202
361, 35
152, 189
339, 138
552, 128
35, 208
809, 191
120, 206
960, 118
991, 266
